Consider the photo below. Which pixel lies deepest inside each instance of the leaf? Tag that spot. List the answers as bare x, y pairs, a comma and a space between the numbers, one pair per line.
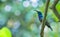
5, 32
58, 7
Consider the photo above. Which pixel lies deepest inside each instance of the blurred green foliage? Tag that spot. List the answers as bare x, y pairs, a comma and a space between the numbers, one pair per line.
20, 17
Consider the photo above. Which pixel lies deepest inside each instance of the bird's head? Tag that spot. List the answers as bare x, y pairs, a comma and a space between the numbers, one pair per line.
39, 13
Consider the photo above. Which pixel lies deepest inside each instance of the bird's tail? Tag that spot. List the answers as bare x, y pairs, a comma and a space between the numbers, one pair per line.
50, 27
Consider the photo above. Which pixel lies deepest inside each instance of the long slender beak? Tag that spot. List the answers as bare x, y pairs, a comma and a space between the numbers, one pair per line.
36, 10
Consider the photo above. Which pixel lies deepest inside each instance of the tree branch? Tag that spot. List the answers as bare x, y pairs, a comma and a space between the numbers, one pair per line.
45, 14
53, 7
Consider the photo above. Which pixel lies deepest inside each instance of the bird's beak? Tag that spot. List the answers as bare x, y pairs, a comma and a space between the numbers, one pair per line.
36, 10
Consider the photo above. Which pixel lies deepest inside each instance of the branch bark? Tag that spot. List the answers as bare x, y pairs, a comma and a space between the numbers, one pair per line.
45, 14
53, 7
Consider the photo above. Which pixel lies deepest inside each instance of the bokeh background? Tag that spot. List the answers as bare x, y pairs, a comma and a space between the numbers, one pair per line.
19, 16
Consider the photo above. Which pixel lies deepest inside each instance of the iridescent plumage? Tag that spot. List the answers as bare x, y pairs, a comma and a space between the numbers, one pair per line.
40, 16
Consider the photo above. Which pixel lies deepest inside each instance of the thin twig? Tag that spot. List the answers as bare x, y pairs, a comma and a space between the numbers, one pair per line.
53, 7
45, 14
